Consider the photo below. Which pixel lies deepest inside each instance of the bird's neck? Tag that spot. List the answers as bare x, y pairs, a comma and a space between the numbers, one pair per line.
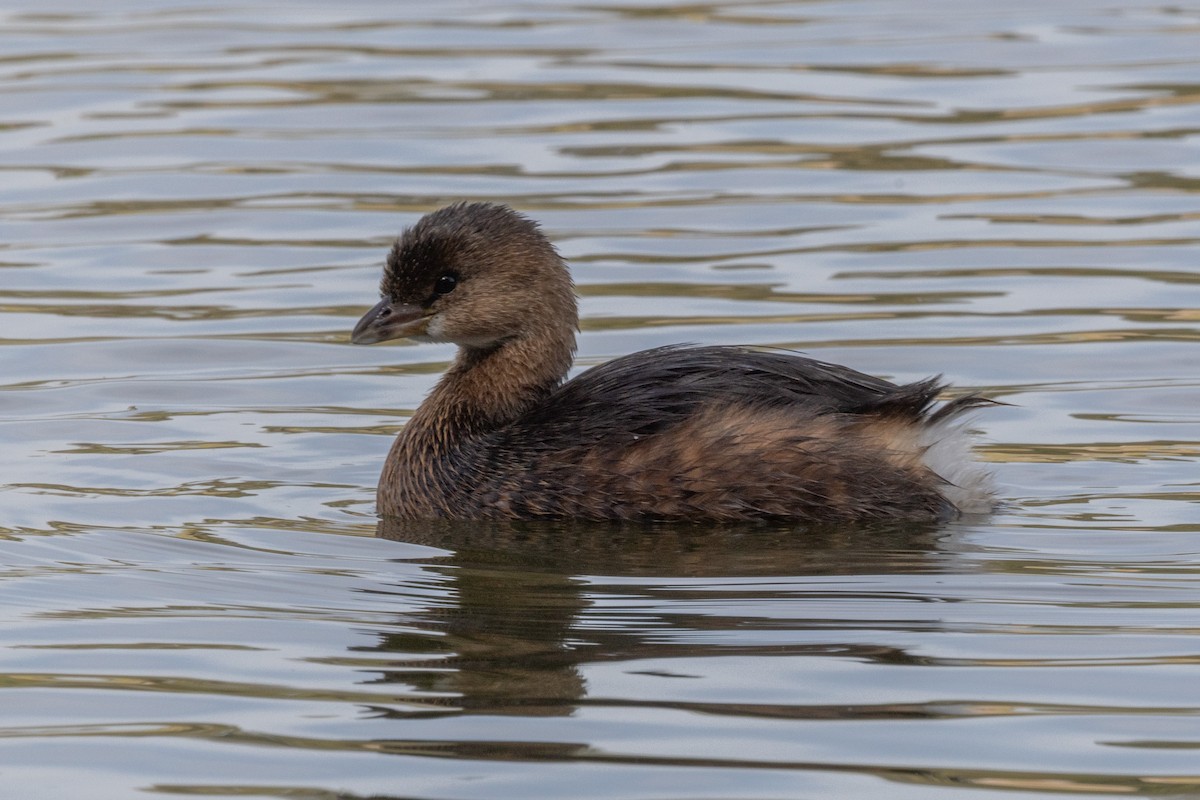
487, 388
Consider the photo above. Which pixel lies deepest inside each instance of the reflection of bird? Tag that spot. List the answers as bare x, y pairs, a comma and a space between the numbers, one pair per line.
721, 433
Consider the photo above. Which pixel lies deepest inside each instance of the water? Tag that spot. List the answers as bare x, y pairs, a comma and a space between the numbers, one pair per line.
194, 204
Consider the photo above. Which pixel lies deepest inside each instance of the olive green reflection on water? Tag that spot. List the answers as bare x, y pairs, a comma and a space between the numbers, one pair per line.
519, 589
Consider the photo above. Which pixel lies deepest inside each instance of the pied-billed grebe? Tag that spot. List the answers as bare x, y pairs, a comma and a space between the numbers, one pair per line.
686, 433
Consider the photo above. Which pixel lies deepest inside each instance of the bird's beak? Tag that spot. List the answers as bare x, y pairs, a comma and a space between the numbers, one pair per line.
389, 320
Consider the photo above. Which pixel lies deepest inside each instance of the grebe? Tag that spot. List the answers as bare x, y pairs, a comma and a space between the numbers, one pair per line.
673, 433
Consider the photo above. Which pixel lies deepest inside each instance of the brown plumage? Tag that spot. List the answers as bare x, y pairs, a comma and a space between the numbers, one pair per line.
719, 433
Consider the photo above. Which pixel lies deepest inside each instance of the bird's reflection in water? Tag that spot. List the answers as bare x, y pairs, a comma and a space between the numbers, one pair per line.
511, 631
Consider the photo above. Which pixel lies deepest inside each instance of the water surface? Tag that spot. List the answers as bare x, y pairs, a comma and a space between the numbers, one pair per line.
197, 597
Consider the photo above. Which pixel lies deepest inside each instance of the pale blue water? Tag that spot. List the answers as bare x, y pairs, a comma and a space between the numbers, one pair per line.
195, 200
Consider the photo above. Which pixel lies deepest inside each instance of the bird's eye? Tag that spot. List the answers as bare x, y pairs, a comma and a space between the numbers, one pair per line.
445, 284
